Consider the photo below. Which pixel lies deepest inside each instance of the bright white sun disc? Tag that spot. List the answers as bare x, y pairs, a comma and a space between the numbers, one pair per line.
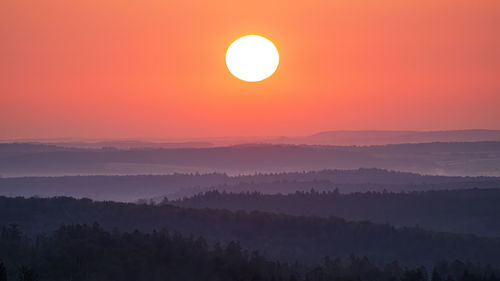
252, 58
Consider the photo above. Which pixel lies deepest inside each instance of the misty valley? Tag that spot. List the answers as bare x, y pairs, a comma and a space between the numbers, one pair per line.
264, 212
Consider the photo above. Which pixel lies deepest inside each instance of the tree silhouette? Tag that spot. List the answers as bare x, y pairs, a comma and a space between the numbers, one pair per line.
27, 274
436, 276
3, 272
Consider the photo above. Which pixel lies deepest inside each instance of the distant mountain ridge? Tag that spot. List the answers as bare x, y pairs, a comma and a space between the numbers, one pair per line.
391, 137
332, 137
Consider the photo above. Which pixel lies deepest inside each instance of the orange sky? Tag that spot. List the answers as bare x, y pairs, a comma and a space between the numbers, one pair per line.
123, 68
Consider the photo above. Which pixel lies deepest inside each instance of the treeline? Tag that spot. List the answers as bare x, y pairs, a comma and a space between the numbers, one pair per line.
464, 211
83, 252
175, 186
277, 236
286, 187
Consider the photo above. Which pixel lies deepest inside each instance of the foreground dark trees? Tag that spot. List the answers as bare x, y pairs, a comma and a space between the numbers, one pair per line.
3, 272
279, 237
81, 252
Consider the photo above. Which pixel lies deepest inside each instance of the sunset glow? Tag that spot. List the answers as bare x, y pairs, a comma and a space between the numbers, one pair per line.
114, 69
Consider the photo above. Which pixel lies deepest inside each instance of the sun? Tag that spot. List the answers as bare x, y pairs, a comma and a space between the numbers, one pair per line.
252, 58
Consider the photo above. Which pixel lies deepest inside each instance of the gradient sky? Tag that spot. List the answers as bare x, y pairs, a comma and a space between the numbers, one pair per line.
128, 69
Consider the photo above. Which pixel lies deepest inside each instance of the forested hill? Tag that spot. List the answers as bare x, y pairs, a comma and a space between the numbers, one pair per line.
465, 211
283, 237
132, 188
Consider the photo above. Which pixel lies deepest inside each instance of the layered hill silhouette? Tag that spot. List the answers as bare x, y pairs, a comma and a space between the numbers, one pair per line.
462, 211
175, 186
467, 158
